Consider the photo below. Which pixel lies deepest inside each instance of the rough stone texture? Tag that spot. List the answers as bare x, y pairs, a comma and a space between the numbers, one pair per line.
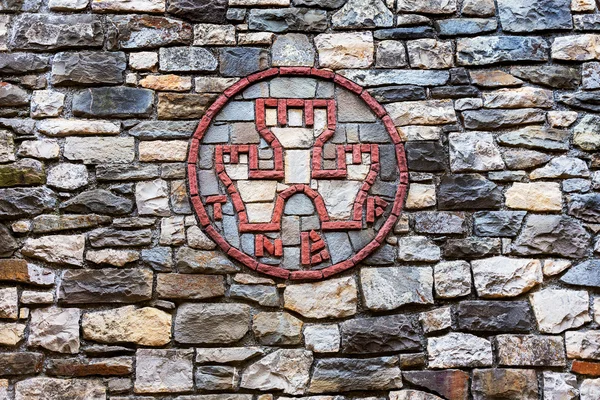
335, 299
342, 50
557, 310
504, 383
284, 369
459, 350
403, 285
151, 363
53, 388
505, 277
55, 329
530, 350
211, 323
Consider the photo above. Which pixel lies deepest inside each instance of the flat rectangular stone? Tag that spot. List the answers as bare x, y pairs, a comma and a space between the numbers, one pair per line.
100, 150
396, 77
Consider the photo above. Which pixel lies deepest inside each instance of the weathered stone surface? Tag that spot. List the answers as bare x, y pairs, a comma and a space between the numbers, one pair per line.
20, 202
145, 326
501, 119
505, 277
585, 100
430, 54
41, 149
55, 329
549, 234
53, 223
23, 172
52, 389
396, 77
534, 196
59, 249
362, 14
189, 260
151, 364
459, 350
474, 151
498, 223
431, 7
47, 103
583, 274
152, 198
345, 50
53, 31
518, 98
212, 11
17, 270
109, 237
471, 247
495, 316
555, 76
21, 63
535, 15
118, 258
242, 61
440, 222
335, 298
116, 366
285, 19
277, 328
67, 127
420, 196
535, 137
322, 338
12, 95
465, 26
585, 206
118, 102
425, 155
22, 363
184, 59
182, 286
98, 201
509, 384
11, 334
150, 6
292, 49
493, 79
452, 384
429, 112
530, 350
150, 130
487, 50
560, 386
106, 286
562, 167
227, 355
9, 303
586, 134
380, 335
452, 279
284, 369
388, 288
88, 67
183, 105
468, 191
411, 394
418, 248
347, 374
146, 31
211, 323
589, 389
68, 176
557, 310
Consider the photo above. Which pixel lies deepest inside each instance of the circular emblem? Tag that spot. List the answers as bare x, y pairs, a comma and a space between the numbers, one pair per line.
297, 173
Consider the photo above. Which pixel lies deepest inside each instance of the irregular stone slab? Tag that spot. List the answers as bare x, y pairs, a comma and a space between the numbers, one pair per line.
150, 130
471, 191
380, 335
189, 260
348, 374
557, 310
277, 328
227, 355
471, 247
98, 201
589, 389
284, 369
9, 303
55, 329
11, 334
555, 76
163, 150
146, 31
530, 350
116, 366
458, 350
474, 151
108, 237
583, 345
18, 270
184, 286
440, 222
88, 67
117, 258
150, 6
211, 323
67, 127
212, 11
151, 364
23, 172
518, 98
428, 112
53, 389
535, 137
452, 279
21, 363
145, 326
378, 77
559, 386
535, 16
12, 95
465, 26
495, 316
562, 167
22, 63
106, 286
410, 394
452, 384
47, 103
534, 196
100, 150
53, 31
519, 158
585, 206
285, 19
336, 298
322, 338
68, 176
388, 288
59, 249
116, 102
430, 54
292, 49
362, 14
183, 105
418, 248
213, 377
505, 277
509, 384
431, 7
41, 149
586, 133
583, 274
551, 235
184, 59
242, 61
54, 223
345, 50
501, 119
21, 202
498, 223
487, 50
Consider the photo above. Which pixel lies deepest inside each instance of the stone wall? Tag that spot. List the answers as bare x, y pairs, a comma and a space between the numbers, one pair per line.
260, 199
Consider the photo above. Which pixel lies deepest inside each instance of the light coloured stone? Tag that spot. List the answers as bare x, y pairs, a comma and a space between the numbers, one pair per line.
152, 198
45, 149
555, 267
583, 345
28, 273
322, 338
562, 167
534, 196
213, 34
196, 239
71, 127
418, 248
459, 350
474, 151
378, 77
100, 150
164, 371
42, 388
417, 132
420, 196
47, 103
68, 176
410, 394
163, 150
557, 310
7, 146
256, 190
345, 50
561, 119
11, 334
284, 369
576, 47
59, 249
518, 98
294, 138
67, 5
339, 197
4, 20
560, 386
586, 134
387, 288
427, 112
452, 279
292, 49
143, 61
334, 298
118, 258
34, 297
589, 389
145, 326
430, 54
277, 328
583, 5
172, 231
212, 84
227, 355
297, 166
254, 38
55, 329
427, 7
436, 320
173, 83
149, 6
9, 303
499, 277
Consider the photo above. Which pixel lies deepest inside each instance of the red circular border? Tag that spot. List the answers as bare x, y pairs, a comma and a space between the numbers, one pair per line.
247, 260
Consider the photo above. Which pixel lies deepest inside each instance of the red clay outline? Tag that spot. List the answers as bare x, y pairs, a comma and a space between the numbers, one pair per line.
247, 260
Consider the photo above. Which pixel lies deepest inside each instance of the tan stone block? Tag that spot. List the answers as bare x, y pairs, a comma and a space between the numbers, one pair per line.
534, 196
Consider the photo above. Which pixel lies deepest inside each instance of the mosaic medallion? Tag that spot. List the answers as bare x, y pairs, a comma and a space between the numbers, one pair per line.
297, 173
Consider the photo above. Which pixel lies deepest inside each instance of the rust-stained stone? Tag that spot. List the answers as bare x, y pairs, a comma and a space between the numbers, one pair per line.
505, 384
452, 384
21, 363
185, 286
87, 367
183, 106
586, 368
17, 270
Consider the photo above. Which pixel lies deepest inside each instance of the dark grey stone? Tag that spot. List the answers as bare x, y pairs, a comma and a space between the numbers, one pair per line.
442, 223
236, 14
485, 50
552, 235
216, 377
287, 20
501, 119
8, 244
211, 11
12, 96
340, 248
465, 26
585, 206
383, 334
534, 15
425, 156
495, 316
585, 100
537, 137
408, 32
472, 247
88, 67
54, 31
454, 92
387, 156
373, 133
388, 94
554, 75
118, 102
384, 255
23, 63
299, 204
498, 223
587, 22
98, 201
109, 285
20, 202
186, 59
110, 237
147, 31
126, 172
468, 191
53, 223
242, 61
523, 158
451, 384
586, 274
20, 5
21, 363
158, 258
